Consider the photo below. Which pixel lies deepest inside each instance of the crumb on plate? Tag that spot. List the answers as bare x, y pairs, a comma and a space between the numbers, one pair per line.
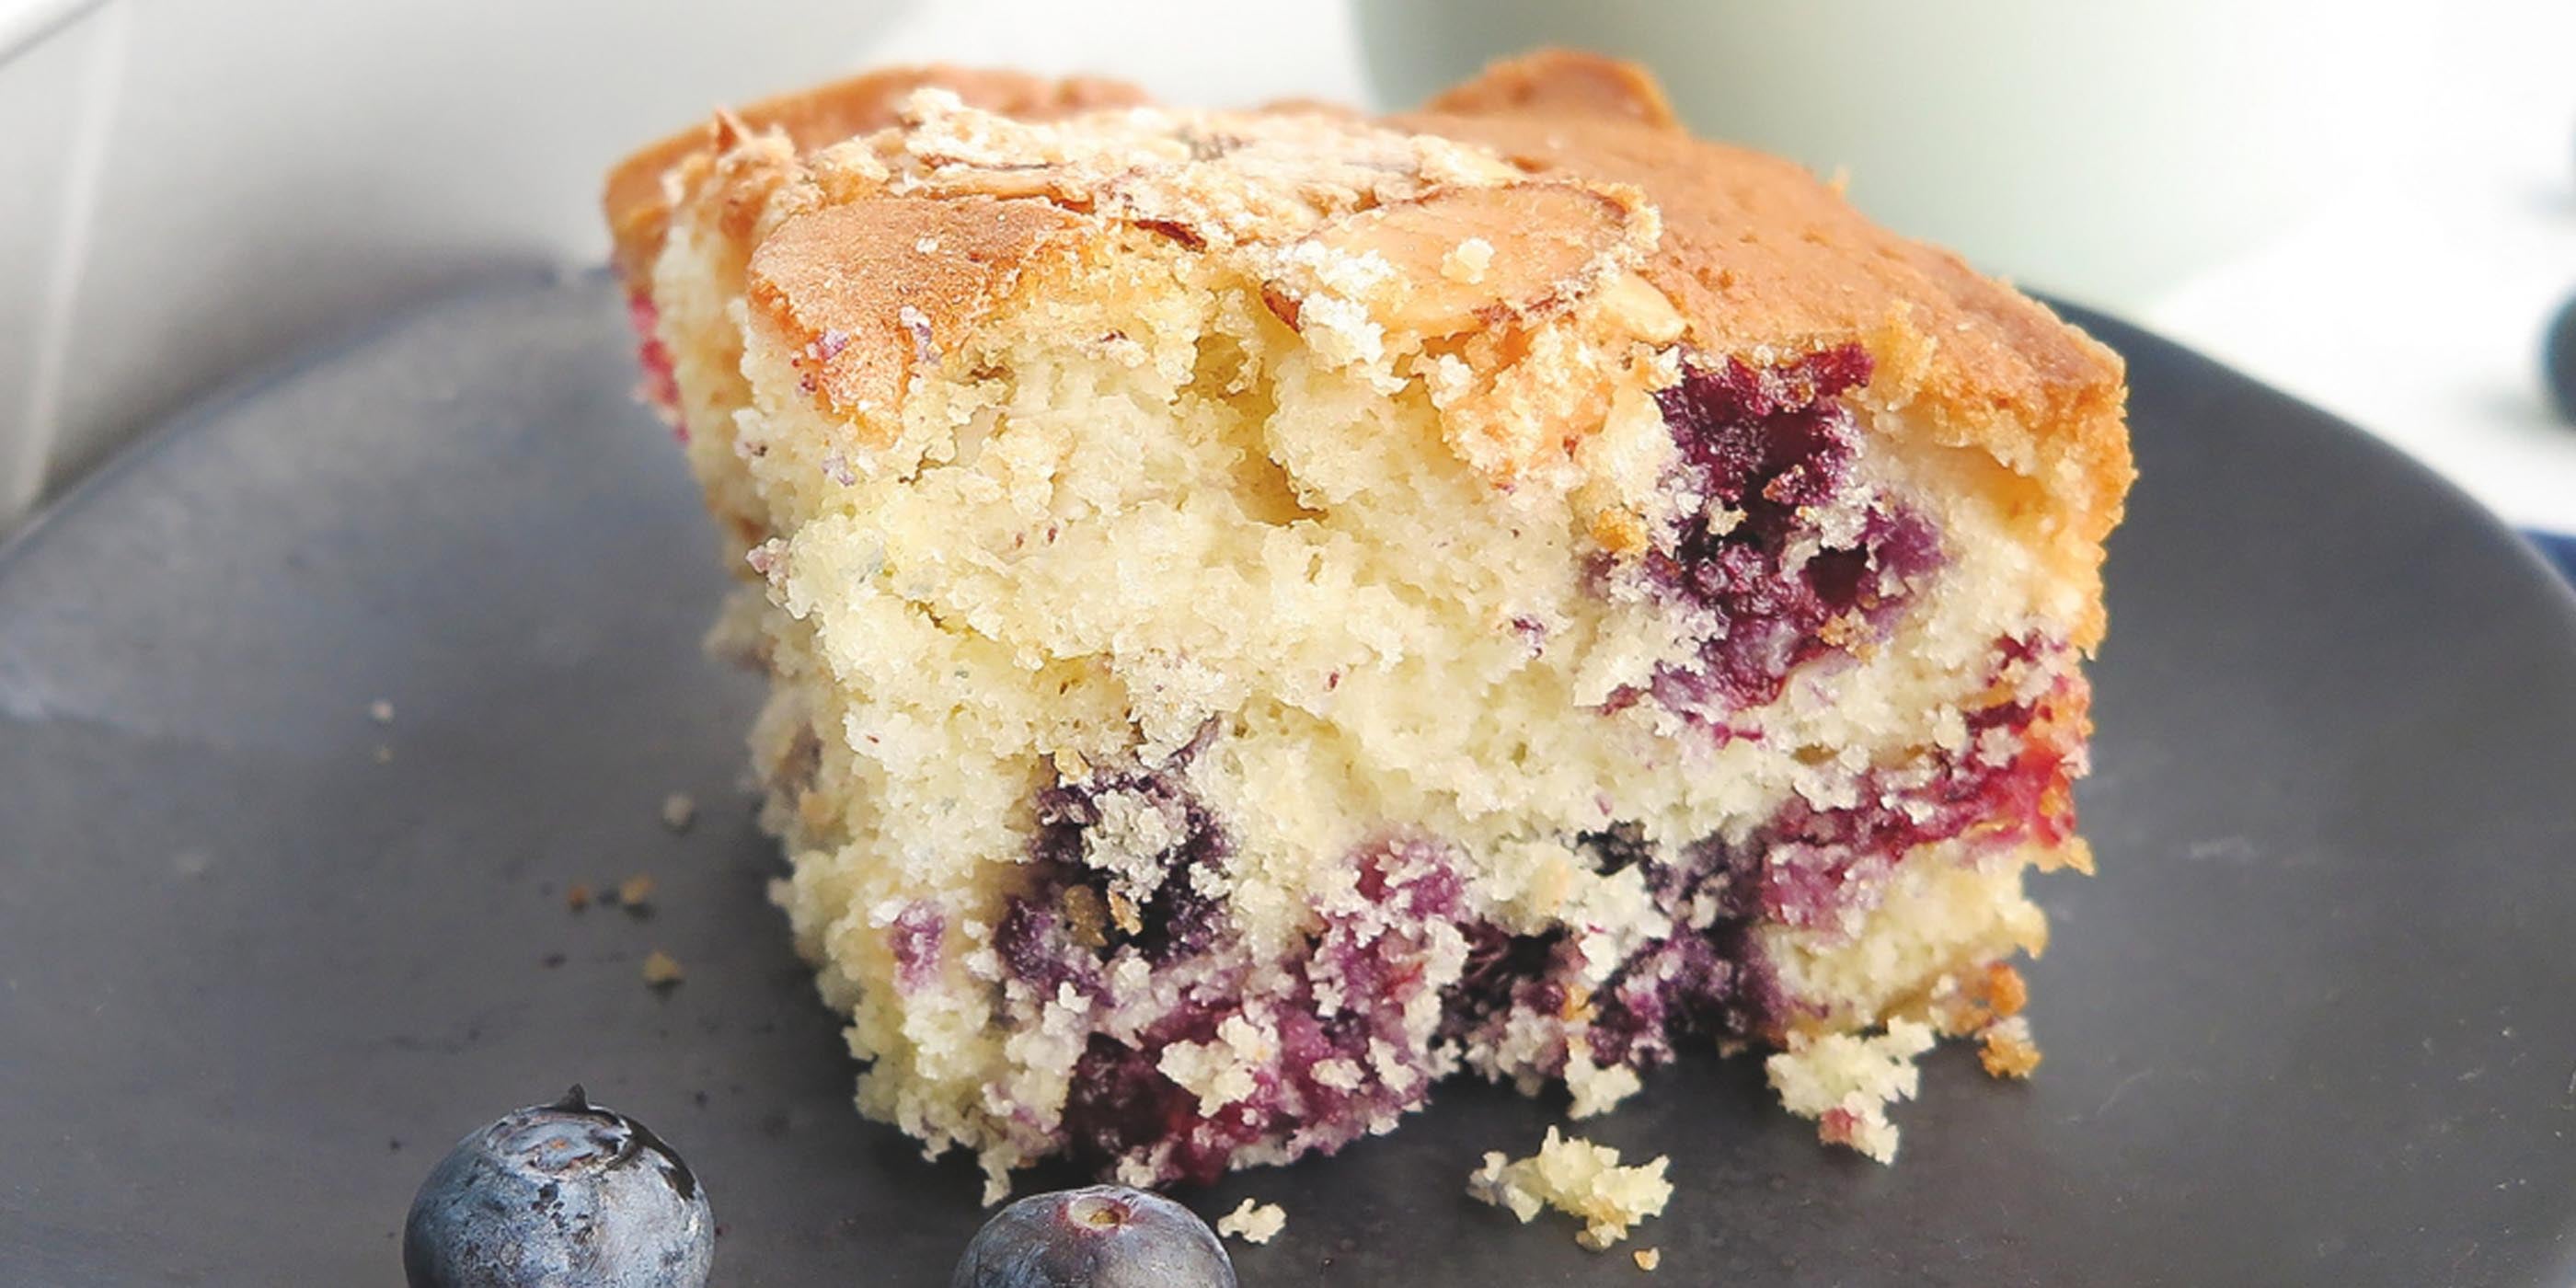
679, 810
2006, 1050
1253, 1222
636, 892
1579, 1178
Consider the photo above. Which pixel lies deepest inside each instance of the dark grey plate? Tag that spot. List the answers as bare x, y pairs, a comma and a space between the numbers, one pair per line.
2314, 1023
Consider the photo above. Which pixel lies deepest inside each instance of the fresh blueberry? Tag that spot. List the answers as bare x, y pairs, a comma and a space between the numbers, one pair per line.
567, 1193
2558, 358
1106, 1236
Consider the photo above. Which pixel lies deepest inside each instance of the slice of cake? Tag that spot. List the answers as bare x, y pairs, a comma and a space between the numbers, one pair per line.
1267, 610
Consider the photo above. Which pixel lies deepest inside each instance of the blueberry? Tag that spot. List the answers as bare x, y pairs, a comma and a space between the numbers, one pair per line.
2558, 359
567, 1193
1106, 1236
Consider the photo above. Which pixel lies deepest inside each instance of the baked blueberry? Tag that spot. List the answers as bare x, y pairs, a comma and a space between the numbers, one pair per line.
1103, 1236
566, 1193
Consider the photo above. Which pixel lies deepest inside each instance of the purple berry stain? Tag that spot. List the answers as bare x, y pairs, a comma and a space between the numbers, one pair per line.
1760, 449
1804, 867
661, 380
915, 938
1344, 1006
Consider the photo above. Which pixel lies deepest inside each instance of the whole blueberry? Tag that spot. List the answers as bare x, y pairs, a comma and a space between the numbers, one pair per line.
1105, 1236
567, 1193
2558, 359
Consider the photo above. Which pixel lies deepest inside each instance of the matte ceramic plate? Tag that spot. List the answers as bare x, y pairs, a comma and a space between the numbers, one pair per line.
263, 957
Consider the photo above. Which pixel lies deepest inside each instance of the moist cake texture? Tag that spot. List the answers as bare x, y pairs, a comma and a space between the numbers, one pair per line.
1268, 610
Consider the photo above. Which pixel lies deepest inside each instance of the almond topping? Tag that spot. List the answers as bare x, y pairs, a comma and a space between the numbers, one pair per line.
1462, 257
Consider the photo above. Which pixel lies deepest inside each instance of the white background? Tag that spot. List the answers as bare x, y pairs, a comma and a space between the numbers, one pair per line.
192, 188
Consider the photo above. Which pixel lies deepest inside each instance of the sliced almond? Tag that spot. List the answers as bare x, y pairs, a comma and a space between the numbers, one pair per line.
1054, 183
1531, 245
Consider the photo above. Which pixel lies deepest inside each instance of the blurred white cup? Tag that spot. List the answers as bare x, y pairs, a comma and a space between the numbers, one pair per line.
2103, 151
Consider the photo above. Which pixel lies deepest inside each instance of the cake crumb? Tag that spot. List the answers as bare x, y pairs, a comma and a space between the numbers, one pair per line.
635, 893
1846, 1082
1647, 1258
1579, 1178
1086, 916
2075, 853
662, 970
2006, 991
2006, 1050
577, 896
679, 810
381, 711
384, 754
1253, 1222
1961, 1005
1596, 1089
1123, 912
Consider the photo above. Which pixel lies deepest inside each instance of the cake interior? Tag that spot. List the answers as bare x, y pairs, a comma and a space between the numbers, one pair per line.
1198, 727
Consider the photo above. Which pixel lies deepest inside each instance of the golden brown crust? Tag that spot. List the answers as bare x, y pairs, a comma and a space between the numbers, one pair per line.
1556, 241
866, 256
884, 282
1758, 255
2006, 1051
825, 114
1560, 82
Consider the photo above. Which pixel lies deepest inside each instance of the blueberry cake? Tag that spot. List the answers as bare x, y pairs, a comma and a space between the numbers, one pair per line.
1267, 610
